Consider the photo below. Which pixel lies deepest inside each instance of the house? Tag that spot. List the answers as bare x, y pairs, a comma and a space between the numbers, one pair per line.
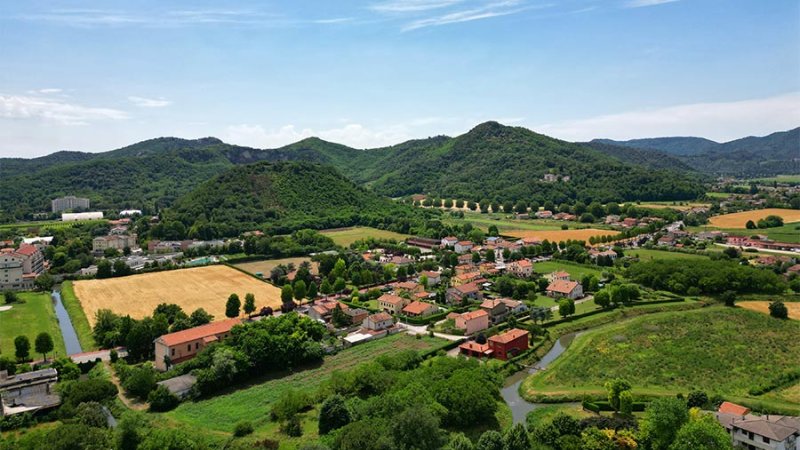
449, 241
419, 309
464, 268
323, 309
768, 432
629, 222
545, 214
497, 310
558, 275
378, 322
472, 322
528, 242
392, 303
474, 349
465, 258
183, 345
463, 246
408, 287
19, 268
514, 306
28, 392
116, 241
356, 315
509, 344
463, 293
434, 278
465, 278
562, 288
522, 268
595, 253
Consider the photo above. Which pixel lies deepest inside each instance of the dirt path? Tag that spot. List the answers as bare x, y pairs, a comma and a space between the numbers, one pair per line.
131, 403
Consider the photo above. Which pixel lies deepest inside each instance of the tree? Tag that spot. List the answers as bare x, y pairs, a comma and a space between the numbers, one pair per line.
200, 317
91, 414
602, 299
750, 225
566, 424
490, 440
778, 310
417, 428
44, 344
249, 304
459, 441
626, 403
662, 420
161, 399
128, 433
10, 297
516, 438
312, 291
287, 294
339, 285
325, 288
22, 348
140, 381
232, 306
697, 399
339, 318
44, 282
333, 414
729, 297
702, 432
566, 307
300, 290
615, 388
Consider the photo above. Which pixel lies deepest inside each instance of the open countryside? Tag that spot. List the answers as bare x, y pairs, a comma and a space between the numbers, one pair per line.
763, 307
264, 267
560, 235
740, 219
346, 236
200, 287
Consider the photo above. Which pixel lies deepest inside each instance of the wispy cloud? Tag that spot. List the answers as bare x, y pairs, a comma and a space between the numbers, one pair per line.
644, 3
54, 109
485, 11
720, 121
333, 20
143, 102
168, 18
49, 91
405, 6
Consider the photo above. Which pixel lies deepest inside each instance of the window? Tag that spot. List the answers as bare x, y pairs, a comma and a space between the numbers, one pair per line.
173, 352
189, 348
765, 439
196, 345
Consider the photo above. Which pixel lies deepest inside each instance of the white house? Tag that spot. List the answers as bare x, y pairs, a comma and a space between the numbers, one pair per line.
463, 246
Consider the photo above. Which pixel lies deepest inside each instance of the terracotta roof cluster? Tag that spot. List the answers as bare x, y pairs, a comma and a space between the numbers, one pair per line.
733, 408
380, 317
467, 288
391, 299
509, 336
472, 315
201, 332
416, 307
562, 286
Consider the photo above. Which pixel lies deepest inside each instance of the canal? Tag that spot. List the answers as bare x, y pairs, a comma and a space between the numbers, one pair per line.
71, 342
510, 392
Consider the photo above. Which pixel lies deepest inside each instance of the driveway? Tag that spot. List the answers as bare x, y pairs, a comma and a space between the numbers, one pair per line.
423, 329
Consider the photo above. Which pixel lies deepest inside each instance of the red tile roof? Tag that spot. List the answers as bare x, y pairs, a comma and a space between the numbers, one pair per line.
417, 307
733, 408
27, 249
472, 315
562, 286
201, 332
475, 347
391, 299
380, 317
467, 288
508, 336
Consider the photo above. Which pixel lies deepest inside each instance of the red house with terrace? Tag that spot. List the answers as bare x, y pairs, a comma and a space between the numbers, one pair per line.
502, 346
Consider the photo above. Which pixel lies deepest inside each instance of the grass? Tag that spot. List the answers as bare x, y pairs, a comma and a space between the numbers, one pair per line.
545, 414
346, 236
51, 224
219, 414
780, 179
77, 316
649, 255
34, 314
720, 350
576, 271
789, 232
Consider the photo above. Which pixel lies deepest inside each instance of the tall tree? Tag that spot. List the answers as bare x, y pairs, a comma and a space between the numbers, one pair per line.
662, 420
44, 344
333, 414
232, 306
22, 348
249, 304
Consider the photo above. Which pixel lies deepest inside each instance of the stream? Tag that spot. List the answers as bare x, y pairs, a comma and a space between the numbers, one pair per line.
510, 392
71, 342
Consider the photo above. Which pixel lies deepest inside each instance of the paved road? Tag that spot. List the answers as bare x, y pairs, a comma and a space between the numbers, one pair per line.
423, 329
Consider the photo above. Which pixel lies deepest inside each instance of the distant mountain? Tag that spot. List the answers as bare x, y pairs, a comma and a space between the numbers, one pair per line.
283, 197
651, 159
775, 154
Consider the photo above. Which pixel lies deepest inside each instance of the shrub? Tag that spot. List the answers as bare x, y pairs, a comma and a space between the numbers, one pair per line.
292, 427
91, 414
113, 355
140, 381
243, 428
778, 310
161, 399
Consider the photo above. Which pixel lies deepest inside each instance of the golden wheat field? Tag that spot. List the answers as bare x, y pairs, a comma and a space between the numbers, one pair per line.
560, 235
763, 307
202, 287
739, 220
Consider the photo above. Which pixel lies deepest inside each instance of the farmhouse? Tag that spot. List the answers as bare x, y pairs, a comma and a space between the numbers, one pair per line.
558, 275
472, 322
419, 309
509, 344
568, 289
392, 303
449, 241
522, 268
463, 246
378, 322
183, 345
768, 432
323, 309
463, 293
545, 214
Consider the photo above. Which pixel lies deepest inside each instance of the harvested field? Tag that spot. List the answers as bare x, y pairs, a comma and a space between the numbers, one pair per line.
202, 287
346, 236
739, 220
763, 307
560, 235
266, 266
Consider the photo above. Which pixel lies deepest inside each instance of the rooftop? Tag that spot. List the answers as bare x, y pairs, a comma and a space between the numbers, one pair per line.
508, 336
417, 307
192, 334
562, 286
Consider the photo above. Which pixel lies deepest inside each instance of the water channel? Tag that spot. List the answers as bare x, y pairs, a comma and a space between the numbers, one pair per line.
71, 342
510, 392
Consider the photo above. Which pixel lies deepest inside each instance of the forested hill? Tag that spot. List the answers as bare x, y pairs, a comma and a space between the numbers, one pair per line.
775, 154
285, 196
646, 158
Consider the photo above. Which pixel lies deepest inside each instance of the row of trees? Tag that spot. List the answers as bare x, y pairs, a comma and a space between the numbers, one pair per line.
22, 346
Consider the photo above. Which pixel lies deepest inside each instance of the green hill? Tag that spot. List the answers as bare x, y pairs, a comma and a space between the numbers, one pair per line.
286, 196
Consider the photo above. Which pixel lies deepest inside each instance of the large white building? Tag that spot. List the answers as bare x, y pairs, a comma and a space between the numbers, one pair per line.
71, 217
115, 241
69, 202
19, 268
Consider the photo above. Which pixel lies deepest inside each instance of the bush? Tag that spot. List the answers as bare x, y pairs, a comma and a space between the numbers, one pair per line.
292, 427
113, 355
243, 428
161, 399
140, 381
77, 392
91, 414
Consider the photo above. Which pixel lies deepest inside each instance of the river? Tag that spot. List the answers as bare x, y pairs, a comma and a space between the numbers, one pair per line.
510, 392
71, 342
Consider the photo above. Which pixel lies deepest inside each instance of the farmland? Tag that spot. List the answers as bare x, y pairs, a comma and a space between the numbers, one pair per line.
719, 350
346, 236
267, 265
505, 223
560, 235
648, 255
679, 206
220, 414
763, 307
202, 287
739, 220
32, 315
576, 271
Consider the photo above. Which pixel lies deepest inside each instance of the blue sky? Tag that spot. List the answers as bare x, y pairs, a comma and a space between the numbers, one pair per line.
94, 76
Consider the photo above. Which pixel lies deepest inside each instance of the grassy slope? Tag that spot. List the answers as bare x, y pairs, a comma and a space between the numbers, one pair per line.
347, 236
717, 349
78, 317
30, 318
576, 271
219, 414
648, 255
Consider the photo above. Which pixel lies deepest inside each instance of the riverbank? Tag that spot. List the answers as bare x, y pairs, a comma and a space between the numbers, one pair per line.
79, 321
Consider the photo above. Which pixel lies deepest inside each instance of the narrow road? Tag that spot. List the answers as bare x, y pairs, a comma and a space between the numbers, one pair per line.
423, 329
129, 402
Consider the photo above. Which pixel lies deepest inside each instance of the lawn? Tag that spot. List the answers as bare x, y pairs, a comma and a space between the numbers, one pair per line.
720, 350
77, 316
346, 236
649, 255
576, 271
677, 205
739, 220
220, 413
201, 287
33, 315
265, 266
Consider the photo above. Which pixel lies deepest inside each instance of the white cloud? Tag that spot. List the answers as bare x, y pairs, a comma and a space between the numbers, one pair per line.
720, 121
644, 3
143, 102
49, 91
403, 6
56, 110
486, 11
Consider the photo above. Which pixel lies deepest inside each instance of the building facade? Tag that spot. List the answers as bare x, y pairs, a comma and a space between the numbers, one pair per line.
183, 345
19, 268
69, 202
